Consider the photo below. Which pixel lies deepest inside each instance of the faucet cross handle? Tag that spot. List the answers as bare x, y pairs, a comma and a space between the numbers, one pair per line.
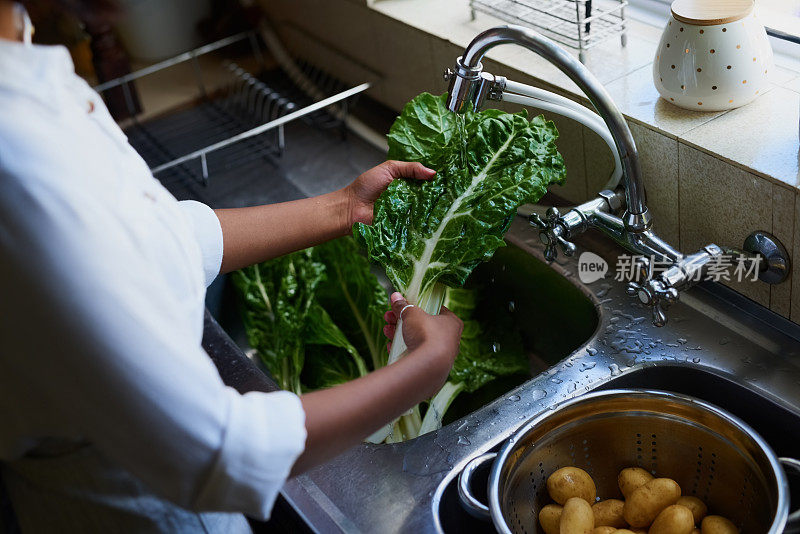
653, 292
551, 232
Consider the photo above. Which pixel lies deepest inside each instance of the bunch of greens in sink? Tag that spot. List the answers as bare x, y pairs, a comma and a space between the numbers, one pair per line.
315, 317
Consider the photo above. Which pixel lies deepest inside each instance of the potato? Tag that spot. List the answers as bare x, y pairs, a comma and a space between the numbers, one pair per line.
631, 478
609, 513
577, 517
716, 524
647, 501
696, 506
549, 516
674, 519
696, 530
604, 530
570, 482
623, 531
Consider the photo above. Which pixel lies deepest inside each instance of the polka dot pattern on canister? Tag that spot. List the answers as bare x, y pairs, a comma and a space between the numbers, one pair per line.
712, 67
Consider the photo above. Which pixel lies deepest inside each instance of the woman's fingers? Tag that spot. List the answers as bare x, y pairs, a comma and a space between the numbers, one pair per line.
409, 169
390, 317
389, 330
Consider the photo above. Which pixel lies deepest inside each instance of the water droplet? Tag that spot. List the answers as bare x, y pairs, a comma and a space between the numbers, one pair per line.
696, 359
682, 340
514, 398
463, 441
603, 291
555, 380
585, 366
511, 306
538, 394
591, 351
614, 368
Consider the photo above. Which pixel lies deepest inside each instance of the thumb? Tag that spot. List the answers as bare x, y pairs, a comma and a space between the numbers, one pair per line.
410, 169
398, 303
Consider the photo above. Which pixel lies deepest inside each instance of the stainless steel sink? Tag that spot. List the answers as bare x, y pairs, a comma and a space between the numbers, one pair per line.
718, 346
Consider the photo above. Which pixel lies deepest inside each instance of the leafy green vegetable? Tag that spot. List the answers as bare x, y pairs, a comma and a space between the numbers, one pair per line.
435, 232
277, 297
293, 308
354, 298
320, 331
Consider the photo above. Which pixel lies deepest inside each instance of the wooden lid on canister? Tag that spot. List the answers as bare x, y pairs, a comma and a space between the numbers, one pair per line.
709, 12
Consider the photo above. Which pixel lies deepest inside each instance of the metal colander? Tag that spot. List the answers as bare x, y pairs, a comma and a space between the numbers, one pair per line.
708, 452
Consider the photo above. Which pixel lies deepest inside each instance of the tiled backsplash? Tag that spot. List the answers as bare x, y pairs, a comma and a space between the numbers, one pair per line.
710, 177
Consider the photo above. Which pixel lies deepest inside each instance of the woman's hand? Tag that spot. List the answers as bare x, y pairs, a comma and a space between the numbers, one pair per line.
339, 417
439, 334
366, 189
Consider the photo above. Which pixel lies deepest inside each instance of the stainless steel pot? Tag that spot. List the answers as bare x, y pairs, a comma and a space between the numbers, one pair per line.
709, 452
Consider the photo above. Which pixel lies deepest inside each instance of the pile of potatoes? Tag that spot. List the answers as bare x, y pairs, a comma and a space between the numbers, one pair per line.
651, 506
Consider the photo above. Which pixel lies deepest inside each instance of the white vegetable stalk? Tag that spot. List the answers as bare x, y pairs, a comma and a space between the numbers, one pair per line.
438, 406
430, 302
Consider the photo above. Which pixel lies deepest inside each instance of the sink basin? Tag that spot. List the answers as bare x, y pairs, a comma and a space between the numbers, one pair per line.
552, 316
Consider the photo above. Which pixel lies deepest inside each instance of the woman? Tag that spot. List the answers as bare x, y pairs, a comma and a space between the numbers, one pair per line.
112, 418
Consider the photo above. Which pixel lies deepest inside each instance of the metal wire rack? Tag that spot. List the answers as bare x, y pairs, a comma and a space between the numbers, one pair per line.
579, 24
235, 127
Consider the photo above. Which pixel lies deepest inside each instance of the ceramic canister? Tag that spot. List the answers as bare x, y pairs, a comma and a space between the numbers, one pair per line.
713, 55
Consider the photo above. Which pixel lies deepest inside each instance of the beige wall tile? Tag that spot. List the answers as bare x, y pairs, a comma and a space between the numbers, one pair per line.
347, 26
795, 281
570, 145
722, 204
658, 157
599, 162
769, 144
406, 58
345, 68
783, 208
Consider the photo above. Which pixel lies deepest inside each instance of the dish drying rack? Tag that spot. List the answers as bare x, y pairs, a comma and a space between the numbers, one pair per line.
579, 24
238, 124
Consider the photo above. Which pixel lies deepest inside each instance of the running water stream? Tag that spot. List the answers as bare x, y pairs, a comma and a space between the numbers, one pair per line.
461, 138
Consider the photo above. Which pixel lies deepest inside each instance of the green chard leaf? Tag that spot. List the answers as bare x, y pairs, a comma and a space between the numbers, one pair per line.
354, 298
277, 296
330, 359
439, 230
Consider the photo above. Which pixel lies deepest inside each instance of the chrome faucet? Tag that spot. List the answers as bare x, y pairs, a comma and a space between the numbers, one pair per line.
621, 214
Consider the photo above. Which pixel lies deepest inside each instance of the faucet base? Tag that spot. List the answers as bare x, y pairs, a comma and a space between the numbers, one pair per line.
778, 264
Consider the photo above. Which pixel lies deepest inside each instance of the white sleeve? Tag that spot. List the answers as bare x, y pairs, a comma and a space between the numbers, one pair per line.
208, 233
94, 344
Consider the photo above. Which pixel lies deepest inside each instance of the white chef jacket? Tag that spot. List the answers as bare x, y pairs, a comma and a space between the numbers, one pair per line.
102, 283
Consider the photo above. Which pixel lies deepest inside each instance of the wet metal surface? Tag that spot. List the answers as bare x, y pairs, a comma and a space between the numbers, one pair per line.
393, 488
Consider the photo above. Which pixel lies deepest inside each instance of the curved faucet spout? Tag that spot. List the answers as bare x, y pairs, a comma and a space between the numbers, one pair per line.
463, 95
